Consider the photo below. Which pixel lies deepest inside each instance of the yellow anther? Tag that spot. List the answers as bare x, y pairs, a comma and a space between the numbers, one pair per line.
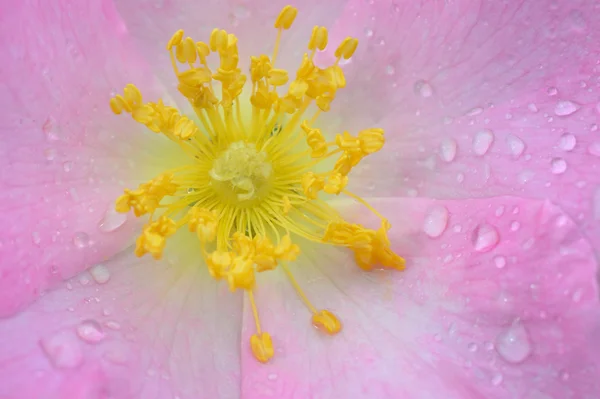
312, 184
133, 97
241, 274
242, 245
286, 250
185, 128
195, 76
147, 197
262, 347
203, 222
335, 183
298, 88
335, 76
203, 51
218, 40
327, 322
315, 140
287, 205
347, 142
324, 101
347, 48
118, 105
259, 67
264, 256
218, 264
318, 39
371, 140
153, 237
175, 39
286, 17
278, 77
188, 49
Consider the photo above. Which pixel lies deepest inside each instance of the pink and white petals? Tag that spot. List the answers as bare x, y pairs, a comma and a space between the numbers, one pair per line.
479, 98
131, 328
64, 157
499, 299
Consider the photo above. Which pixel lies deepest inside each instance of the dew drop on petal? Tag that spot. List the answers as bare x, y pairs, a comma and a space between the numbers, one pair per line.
482, 141
500, 261
594, 149
558, 165
90, 331
485, 237
474, 111
565, 108
423, 89
112, 220
472, 347
567, 142
513, 344
552, 91
100, 273
436, 221
62, 349
497, 379
448, 150
81, 239
515, 144
35, 238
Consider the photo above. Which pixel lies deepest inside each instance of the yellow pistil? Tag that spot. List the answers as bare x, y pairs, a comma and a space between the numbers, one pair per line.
254, 181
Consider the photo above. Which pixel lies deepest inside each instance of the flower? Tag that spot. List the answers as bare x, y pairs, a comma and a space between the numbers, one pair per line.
487, 178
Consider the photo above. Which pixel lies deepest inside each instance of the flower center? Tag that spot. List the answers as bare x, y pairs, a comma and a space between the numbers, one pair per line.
253, 181
241, 173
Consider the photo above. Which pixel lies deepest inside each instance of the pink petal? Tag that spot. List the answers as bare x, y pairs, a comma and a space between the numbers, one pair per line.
516, 317
128, 328
478, 99
65, 157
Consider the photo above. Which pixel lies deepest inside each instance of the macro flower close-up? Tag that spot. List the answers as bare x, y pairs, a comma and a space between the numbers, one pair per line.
320, 199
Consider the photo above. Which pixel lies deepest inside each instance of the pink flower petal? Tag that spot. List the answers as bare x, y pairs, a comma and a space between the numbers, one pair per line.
128, 328
478, 99
64, 157
517, 320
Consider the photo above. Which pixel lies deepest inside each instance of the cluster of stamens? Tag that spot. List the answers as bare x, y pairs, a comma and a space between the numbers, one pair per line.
252, 181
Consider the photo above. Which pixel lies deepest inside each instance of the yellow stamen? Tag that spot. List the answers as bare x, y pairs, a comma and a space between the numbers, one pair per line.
252, 180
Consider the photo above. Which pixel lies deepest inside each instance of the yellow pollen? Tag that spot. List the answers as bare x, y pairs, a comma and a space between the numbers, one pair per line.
253, 179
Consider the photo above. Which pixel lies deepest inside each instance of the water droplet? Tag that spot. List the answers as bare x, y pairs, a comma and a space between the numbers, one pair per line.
448, 150
532, 107
272, 377
485, 237
113, 325
567, 142
577, 295
500, 261
241, 11
436, 221
565, 108
368, 32
552, 91
112, 220
559, 166
90, 331
50, 154
564, 375
67, 166
472, 347
474, 111
500, 210
515, 144
514, 226
497, 379
81, 239
513, 344
525, 176
482, 141
100, 273
35, 238
390, 70
51, 129
594, 149
423, 89
62, 349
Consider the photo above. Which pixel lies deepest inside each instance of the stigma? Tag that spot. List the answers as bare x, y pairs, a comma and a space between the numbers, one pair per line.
255, 179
